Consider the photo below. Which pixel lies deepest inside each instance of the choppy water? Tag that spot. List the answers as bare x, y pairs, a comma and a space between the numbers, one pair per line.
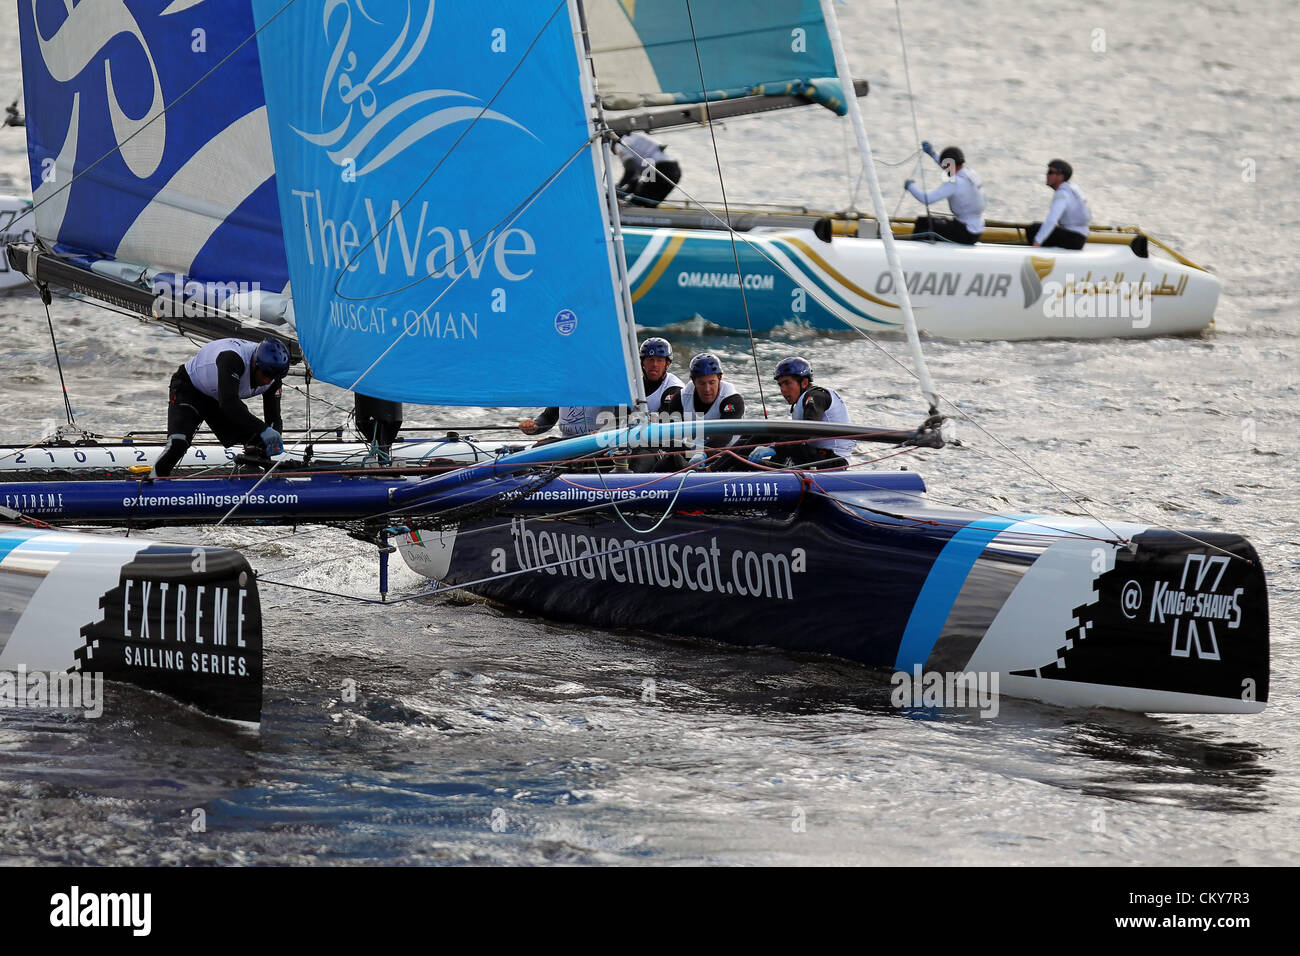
468, 715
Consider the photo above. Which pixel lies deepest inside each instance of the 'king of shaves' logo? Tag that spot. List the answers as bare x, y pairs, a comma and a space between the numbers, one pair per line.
1192, 607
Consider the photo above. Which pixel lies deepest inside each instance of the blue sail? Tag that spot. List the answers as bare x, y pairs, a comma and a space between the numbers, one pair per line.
646, 51
189, 192
441, 200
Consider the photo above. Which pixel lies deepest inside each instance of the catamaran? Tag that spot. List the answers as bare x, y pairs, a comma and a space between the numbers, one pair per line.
802, 267
481, 124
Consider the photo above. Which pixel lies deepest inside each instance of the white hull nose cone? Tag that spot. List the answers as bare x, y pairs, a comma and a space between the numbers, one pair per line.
182, 621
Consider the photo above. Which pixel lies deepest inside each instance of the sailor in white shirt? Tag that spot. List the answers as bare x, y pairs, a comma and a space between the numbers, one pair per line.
1069, 217
965, 195
660, 385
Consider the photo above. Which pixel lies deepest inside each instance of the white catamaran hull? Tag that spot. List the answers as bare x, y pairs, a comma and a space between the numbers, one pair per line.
988, 291
181, 620
107, 458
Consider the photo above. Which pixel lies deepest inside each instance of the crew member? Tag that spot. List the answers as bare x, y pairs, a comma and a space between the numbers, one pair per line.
1069, 217
648, 174
656, 356
706, 398
211, 387
659, 384
378, 420
965, 195
574, 420
808, 403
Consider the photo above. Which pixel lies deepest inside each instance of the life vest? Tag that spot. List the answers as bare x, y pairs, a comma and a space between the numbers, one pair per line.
202, 369
714, 411
655, 399
836, 413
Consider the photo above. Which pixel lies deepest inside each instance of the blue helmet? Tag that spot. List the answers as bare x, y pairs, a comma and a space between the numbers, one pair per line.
656, 348
272, 358
794, 365
706, 363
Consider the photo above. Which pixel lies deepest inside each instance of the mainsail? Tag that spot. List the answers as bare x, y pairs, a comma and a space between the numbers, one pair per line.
129, 189
438, 181
653, 52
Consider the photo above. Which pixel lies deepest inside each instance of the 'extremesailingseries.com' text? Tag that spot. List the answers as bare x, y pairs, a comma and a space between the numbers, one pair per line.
221, 501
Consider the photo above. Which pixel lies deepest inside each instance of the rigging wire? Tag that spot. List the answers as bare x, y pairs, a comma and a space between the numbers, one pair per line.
735, 254
67, 405
911, 99
247, 494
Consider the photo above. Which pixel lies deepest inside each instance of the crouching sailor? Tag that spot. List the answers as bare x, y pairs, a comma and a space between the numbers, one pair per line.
706, 398
808, 403
211, 388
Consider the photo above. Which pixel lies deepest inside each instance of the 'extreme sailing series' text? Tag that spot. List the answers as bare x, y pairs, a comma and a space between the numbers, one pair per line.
180, 627
678, 565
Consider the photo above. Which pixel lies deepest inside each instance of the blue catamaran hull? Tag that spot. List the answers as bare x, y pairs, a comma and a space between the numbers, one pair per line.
1060, 613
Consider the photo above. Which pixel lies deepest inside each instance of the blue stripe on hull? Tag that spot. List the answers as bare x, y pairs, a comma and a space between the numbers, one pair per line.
941, 588
13, 538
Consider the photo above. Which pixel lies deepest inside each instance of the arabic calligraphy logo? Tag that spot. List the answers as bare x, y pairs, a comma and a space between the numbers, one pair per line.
79, 40
1032, 273
370, 136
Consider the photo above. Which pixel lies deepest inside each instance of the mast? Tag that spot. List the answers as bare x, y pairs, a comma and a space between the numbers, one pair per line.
627, 323
878, 204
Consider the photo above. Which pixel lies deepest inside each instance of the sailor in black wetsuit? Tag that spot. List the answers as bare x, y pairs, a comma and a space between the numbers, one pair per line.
648, 174
210, 388
706, 398
808, 403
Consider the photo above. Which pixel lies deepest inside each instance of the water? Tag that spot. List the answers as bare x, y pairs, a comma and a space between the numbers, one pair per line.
469, 716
